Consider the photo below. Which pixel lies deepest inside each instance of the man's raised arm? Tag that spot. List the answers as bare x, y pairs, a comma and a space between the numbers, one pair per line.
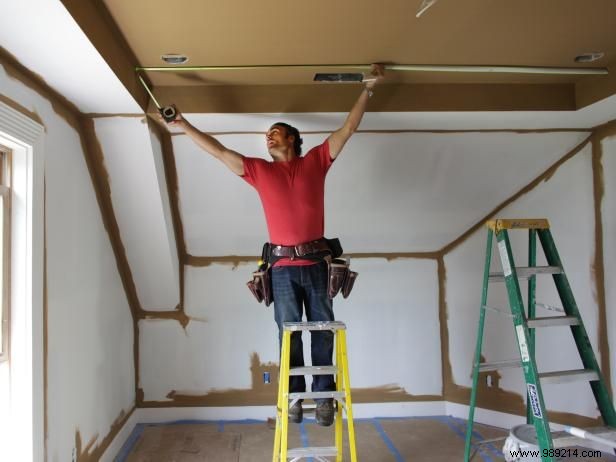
233, 160
338, 139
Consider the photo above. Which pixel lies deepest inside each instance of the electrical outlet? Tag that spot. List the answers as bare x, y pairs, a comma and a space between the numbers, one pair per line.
74, 455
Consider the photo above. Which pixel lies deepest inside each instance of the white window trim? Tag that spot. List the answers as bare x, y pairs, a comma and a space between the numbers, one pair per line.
25, 138
5, 242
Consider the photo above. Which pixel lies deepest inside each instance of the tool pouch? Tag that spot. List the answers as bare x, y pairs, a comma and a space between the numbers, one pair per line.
349, 281
261, 285
341, 278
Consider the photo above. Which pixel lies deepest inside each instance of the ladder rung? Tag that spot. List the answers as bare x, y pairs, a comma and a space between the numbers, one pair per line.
548, 321
568, 376
317, 395
524, 272
315, 325
496, 365
326, 451
313, 370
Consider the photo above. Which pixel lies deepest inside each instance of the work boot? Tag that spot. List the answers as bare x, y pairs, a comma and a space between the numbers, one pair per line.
325, 412
296, 413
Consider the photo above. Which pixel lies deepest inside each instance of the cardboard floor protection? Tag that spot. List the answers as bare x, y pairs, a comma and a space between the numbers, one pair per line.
186, 443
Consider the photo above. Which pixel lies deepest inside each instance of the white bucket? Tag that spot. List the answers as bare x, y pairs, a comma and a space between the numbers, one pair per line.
521, 438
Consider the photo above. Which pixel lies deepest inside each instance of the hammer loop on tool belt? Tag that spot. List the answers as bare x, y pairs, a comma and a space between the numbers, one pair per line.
340, 277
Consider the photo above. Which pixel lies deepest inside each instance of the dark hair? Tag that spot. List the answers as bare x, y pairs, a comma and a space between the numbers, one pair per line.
292, 131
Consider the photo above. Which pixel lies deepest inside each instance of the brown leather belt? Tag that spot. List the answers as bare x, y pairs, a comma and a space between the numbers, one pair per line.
300, 250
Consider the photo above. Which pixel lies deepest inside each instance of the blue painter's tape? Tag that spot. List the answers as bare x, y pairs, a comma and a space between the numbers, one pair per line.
497, 452
389, 443
448, 421
128, 445
304, 436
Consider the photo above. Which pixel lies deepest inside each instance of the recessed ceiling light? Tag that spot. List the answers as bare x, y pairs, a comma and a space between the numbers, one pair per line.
589, 57
174, 58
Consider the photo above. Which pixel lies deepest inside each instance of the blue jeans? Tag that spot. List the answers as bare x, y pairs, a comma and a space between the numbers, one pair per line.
294, 287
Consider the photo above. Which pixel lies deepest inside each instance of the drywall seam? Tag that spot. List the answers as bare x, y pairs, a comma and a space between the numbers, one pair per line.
605, 130
171, 177
598, 267
455, 393
178, 315
62, 107
100, 179
265, 394
97, 115
488, 397
402, 130
544, 176
91, 453
236, 260
85, 129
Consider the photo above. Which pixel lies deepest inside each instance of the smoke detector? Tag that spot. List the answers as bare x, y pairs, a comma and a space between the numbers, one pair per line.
174, 58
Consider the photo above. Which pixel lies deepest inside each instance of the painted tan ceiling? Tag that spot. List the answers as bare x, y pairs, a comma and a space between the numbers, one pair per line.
469, 32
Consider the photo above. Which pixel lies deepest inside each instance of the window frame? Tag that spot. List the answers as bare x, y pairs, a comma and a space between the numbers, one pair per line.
5, 274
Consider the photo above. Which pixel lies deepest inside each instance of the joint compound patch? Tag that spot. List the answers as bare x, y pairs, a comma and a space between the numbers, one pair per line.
533, 396
502, 249
522, 342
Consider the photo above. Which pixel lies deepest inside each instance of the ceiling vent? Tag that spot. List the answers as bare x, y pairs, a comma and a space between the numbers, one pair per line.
589, 57
344, 77
173, 58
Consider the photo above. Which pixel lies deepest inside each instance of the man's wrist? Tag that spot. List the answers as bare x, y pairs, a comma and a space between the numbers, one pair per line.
370, 91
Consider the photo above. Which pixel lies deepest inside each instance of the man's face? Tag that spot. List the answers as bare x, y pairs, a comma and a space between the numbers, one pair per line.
276, 138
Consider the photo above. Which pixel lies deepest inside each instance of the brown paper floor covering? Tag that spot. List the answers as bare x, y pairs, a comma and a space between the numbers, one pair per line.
429, 439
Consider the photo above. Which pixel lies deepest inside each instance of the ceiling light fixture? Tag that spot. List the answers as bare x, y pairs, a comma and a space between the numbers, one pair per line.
425, 4
174, 58
589, 57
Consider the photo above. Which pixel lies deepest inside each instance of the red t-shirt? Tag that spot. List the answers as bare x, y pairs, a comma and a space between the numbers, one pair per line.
292, 195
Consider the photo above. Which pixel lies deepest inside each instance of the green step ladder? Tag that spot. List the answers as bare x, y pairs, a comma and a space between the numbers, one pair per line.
525, 324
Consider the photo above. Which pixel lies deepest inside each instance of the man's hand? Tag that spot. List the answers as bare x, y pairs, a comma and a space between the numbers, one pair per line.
177, 122
378, 74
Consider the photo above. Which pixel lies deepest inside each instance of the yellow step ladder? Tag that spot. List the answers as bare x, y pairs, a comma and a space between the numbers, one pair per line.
342, 395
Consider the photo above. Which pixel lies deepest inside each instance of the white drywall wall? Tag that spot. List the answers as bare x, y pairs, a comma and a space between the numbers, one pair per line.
90, 336
392, 319
566, 200
133, 158
608, 209
385, 193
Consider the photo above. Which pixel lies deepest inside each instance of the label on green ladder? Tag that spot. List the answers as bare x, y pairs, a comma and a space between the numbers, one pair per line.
522, 342
533, 397
502, 249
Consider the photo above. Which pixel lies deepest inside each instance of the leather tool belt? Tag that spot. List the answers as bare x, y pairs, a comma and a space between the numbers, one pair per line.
340, 277
307, 249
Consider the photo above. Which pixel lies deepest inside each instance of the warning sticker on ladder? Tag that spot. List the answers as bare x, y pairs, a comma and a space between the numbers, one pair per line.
522, 342
533, 397
502, 249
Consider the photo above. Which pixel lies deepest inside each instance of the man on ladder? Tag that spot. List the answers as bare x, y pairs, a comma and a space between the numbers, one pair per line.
291, 189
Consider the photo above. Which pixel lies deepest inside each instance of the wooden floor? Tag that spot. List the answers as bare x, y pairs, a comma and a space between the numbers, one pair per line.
434, 439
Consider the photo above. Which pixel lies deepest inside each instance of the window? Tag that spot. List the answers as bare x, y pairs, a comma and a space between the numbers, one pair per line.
5, 216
